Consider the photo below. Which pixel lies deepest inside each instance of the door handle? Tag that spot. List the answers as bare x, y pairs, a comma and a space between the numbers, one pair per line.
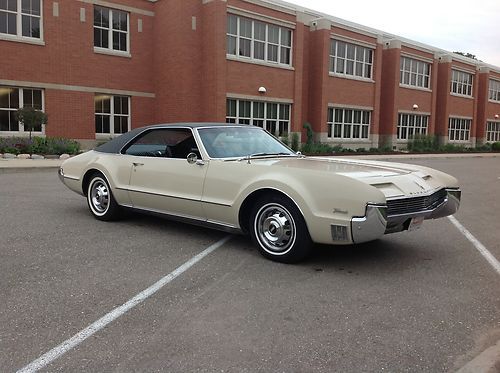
138, 164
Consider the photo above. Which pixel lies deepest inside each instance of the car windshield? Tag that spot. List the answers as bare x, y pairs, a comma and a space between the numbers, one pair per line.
239, 142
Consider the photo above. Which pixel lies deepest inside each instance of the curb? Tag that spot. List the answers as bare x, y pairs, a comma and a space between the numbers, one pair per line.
486, 362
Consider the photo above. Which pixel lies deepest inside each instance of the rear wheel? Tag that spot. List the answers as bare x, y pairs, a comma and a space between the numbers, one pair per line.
278, 229
100, 199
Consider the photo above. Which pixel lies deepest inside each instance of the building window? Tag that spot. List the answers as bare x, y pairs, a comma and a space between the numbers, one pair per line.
111, 29
350, 59
258, 41
112, 114
414, 73
492, 131
272, 116
348, 123
494, 91
461, 83
459, 129
410, 125
11, 99
22, 18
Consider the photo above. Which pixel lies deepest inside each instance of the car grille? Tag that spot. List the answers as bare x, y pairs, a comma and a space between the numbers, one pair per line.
415, 204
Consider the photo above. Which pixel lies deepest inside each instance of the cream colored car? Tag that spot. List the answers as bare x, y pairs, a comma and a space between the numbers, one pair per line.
239, 178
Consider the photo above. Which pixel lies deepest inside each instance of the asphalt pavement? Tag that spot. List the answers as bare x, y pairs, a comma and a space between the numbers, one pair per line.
423, 301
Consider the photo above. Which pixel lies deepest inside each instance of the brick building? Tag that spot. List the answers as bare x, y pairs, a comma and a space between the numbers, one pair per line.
99, 68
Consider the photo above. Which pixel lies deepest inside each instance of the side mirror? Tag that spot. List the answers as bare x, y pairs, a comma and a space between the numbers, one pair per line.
192, 158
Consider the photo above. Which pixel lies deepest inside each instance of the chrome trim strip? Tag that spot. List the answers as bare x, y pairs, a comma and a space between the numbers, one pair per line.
170, 196
189, 220
426, 194
371, 226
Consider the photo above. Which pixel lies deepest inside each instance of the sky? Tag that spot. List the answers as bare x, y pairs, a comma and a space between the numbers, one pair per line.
453, 25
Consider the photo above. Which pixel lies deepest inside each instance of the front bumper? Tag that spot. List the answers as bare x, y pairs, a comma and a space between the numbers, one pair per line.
376, 222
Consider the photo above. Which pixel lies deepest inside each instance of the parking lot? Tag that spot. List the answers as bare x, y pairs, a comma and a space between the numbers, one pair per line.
423, 301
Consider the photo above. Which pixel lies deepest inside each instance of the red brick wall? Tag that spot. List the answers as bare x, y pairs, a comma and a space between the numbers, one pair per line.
318, 76
68, 58
390, 86
442, 102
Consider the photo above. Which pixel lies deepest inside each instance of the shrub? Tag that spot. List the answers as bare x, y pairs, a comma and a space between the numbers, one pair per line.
295, 141
484, 147
495, 146
38, 145
423, 143
310, 134
317, 149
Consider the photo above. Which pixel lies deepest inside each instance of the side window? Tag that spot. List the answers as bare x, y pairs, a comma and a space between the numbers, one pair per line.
165, 143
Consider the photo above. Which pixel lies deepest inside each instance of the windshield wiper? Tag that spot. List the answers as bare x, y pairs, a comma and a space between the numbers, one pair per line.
263, 154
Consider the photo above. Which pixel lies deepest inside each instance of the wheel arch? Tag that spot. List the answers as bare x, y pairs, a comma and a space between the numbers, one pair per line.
88, 176
250, 200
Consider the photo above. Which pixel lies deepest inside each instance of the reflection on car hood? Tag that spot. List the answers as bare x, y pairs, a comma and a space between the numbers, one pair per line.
394, 180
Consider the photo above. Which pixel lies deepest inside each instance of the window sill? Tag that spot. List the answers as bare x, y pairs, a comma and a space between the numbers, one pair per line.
493, 101
21, 134
352, 77
259, 62
21, 39
343, 140
415, 87
111, 52
106, 136
461, 96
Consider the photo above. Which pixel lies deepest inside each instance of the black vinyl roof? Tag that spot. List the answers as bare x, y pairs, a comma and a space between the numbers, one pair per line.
115, 145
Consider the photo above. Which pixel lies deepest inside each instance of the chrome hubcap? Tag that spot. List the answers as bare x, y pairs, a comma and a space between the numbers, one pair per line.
275, 228
99, 196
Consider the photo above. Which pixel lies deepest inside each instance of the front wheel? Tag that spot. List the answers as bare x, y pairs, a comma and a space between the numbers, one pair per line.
279, 230
100, 199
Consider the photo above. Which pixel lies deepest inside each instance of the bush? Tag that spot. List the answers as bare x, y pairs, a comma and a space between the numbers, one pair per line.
423, 143
495, 146
317, 149
310, 134
484, 147
38, 145
295, 141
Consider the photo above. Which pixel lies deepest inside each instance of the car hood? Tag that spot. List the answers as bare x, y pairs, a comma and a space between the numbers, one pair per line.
393, 179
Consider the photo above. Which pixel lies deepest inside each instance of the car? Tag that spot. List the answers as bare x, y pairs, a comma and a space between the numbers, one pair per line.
240, 178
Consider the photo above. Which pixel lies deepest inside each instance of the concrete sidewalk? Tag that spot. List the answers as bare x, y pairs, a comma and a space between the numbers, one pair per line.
28, 164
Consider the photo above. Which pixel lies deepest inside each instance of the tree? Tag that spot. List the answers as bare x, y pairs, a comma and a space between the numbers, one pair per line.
31, 118
468, 55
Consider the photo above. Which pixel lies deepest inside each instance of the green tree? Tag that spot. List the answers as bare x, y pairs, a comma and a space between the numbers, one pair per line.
31, 118
468, 55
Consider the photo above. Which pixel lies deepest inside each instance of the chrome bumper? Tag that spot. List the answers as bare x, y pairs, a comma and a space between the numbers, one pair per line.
60, 173
376, 223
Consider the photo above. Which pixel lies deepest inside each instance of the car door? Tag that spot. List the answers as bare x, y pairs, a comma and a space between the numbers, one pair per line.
161, 179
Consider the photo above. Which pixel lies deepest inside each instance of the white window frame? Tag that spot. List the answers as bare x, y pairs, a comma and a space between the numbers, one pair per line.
406, 69
253, 40
110, 49
331, 122
411, 124
112, 116
492, 131
368, 53
462, 83
19, 25
494, 90
459, 129
21, 131
281, 123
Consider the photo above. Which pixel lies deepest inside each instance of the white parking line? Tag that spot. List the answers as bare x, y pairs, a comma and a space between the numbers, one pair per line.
78, 338
478, 245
